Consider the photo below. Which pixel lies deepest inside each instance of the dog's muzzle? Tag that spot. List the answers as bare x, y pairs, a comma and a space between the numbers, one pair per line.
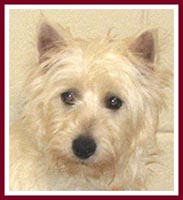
84, 147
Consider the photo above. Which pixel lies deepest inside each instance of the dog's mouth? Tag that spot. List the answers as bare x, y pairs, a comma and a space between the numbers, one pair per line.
91, 160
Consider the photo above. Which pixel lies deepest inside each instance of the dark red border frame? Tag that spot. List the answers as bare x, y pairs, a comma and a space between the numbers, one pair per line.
2, 84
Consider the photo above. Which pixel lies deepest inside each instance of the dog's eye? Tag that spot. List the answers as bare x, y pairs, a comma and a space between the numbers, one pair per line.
114, 103
68, 97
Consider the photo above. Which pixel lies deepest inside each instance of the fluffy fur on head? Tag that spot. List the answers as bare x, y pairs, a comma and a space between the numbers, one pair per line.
93, 70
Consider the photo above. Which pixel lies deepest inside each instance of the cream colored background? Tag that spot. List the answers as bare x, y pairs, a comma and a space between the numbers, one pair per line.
91, 23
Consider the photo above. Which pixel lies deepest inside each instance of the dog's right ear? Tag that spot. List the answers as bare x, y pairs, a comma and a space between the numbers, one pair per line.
48, 39
144, 46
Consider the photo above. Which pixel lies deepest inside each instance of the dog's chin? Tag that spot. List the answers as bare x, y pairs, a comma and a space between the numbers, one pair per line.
69, 163
91, 165
91, 161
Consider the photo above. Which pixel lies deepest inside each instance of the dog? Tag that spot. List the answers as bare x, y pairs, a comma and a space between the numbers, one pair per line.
90, 115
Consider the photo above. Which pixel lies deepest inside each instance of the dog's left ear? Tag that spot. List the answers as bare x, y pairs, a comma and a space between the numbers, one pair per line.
48, 39
144, 46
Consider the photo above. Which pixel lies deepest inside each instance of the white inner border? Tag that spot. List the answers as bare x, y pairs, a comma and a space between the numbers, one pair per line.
106, 193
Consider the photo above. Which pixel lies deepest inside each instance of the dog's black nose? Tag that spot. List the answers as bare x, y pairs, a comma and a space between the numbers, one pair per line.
84, 147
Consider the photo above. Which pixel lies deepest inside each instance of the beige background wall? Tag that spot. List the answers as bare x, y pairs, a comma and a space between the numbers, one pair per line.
91, 23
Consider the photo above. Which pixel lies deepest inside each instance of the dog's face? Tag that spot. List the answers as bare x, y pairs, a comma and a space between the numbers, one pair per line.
91, 102
87, 113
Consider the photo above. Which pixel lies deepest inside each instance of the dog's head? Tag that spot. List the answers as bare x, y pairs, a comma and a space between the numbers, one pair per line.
91, 102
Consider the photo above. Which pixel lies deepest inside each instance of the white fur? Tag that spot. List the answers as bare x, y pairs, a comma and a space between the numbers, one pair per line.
41, 156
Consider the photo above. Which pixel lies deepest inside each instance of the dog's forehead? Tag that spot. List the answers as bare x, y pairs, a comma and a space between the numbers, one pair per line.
82, 69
